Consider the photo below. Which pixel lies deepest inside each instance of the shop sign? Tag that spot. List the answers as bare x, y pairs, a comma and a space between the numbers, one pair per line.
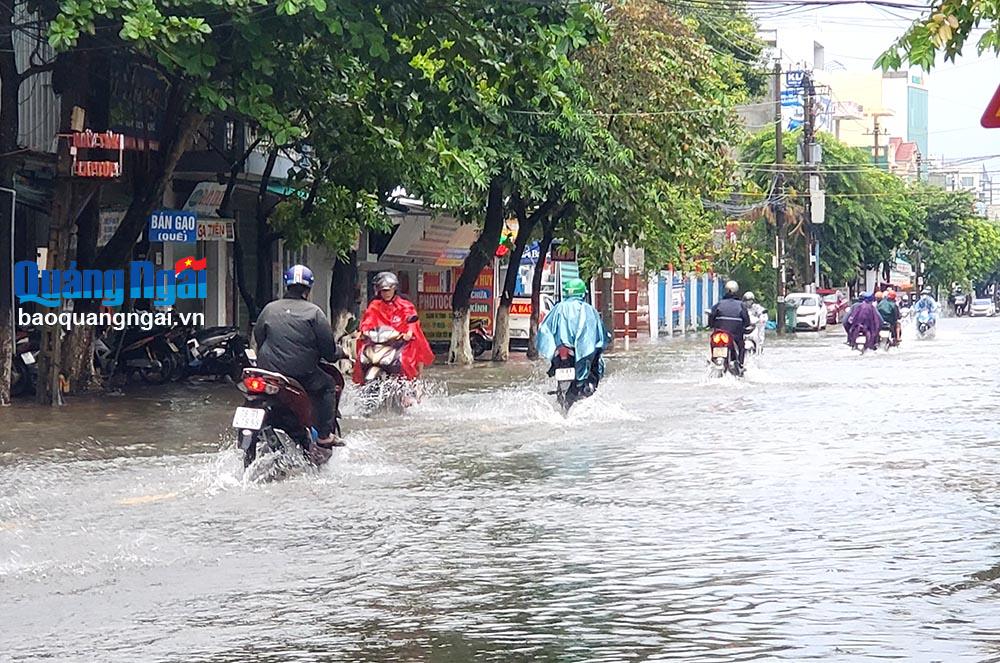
173, 226
96, 169
206, 199
222, 230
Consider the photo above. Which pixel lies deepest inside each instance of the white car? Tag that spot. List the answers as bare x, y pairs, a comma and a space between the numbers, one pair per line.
810, 310
983, 307
520, 319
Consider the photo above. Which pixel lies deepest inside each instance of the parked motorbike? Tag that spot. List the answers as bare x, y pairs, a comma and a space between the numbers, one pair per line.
217, 352
152, 354
24, 369
384, 387
925, 324
277, 421
724, 355
480, 339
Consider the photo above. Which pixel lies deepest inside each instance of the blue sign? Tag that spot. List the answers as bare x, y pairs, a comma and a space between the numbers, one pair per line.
794, 78
49, 287
167, 225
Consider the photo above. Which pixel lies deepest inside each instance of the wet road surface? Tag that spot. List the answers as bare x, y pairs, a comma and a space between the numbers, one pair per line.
830, 507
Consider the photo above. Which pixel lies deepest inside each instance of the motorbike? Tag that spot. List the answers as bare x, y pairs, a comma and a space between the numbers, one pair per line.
569, 389
480, 339
152, 354
959, 302
925, 323
217, 352
384, 385
885, 340
276, 420
724, 355
754, 337
24, 369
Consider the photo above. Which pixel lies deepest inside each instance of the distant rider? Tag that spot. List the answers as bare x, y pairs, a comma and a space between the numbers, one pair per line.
858, 300
864, 319
390, 309
730, 315
575, 324
889, 310
292, 335
758, 319
926, 303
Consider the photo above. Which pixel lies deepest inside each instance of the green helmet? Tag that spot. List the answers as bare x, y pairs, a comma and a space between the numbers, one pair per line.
574, 288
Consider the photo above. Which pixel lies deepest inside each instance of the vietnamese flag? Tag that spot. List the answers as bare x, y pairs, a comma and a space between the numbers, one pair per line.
190, 263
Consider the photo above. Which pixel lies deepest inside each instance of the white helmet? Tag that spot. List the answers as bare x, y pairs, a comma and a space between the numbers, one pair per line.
749, 296
732, 287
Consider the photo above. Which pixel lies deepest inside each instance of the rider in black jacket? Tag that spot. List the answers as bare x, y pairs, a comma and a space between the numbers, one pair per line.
730, 315
292, 335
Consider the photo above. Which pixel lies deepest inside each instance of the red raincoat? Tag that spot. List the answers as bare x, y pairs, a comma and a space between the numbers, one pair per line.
380, 313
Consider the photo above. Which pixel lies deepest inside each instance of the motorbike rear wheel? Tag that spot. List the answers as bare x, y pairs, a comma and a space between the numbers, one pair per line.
20, 379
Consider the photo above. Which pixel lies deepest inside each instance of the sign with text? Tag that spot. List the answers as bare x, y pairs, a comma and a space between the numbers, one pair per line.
167, 225
220, 230
110, 220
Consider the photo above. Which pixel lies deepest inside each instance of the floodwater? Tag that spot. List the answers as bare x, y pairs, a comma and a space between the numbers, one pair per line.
829, 507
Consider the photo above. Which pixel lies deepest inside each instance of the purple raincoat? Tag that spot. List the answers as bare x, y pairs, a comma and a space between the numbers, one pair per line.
864, 319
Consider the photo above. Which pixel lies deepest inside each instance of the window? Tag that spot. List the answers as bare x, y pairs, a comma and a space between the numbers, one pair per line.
968, 181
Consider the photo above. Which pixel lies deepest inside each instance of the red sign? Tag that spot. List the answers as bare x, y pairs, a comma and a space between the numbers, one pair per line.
520, 308
88, 140
97, 169
991, 117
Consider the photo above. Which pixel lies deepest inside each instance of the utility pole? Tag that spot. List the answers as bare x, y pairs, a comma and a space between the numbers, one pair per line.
808, 138
779, 205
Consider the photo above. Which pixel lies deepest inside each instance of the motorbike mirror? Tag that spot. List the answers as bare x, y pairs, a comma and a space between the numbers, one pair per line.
413, 318
351, 326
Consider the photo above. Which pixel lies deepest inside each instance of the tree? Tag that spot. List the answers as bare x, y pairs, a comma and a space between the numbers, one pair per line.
946, 30
869, 213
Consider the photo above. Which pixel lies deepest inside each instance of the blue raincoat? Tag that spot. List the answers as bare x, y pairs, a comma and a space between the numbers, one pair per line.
575, 324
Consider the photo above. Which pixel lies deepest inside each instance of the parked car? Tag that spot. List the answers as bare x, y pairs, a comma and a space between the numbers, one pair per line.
836, 303
810, 311
983, 307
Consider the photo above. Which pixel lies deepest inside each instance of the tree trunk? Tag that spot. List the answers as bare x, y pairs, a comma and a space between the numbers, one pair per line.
343, 291
10, 83
265, 238
173, 143
78, 345
548, 233
525, 227
239, 269
480, 254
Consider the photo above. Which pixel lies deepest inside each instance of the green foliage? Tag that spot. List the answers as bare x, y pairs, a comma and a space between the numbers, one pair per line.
869, 213
946, 30
667, 100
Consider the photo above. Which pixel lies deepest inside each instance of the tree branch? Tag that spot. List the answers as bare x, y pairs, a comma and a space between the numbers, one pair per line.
34, 70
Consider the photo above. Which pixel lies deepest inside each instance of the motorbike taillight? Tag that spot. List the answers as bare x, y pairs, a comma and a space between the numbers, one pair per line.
720, 339
255, 384
563, 352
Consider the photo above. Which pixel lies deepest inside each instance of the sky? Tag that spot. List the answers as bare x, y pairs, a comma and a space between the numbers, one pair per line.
854, 35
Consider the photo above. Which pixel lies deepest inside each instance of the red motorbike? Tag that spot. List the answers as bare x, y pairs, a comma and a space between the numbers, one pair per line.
277, 415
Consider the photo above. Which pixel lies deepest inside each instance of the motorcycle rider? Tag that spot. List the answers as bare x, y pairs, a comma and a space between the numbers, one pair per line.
390, 309
292, 334
575, 324
889, 310
926, 302
758, 319
730, 315
864, 319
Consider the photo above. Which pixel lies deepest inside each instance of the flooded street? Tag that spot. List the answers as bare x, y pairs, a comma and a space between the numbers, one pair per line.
830, 507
